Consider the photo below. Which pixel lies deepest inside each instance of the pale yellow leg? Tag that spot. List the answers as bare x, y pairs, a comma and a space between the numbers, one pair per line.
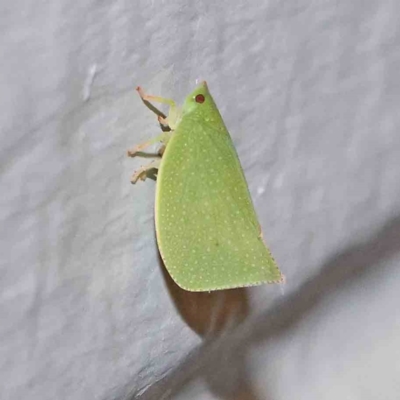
168, 122
144, 172
164, 137
173, 110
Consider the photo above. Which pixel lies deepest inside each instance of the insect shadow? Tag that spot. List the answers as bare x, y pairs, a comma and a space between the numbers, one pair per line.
211, 315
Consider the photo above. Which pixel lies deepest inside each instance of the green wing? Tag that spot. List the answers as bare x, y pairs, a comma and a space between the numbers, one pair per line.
207, 229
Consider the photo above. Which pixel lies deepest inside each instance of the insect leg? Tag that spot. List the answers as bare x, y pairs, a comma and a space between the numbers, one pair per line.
173, 110
164, 137
147, 171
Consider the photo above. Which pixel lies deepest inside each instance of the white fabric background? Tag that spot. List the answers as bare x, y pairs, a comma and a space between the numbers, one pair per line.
310, 92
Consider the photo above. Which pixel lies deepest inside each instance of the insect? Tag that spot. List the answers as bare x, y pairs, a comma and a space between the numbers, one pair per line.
207, 230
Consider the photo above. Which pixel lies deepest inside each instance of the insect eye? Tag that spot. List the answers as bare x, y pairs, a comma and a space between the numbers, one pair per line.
199, 98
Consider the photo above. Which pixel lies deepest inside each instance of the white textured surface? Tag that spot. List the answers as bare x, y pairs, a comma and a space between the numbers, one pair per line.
311, 94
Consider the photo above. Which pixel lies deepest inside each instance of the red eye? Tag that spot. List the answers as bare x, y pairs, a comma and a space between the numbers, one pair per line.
200, 98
